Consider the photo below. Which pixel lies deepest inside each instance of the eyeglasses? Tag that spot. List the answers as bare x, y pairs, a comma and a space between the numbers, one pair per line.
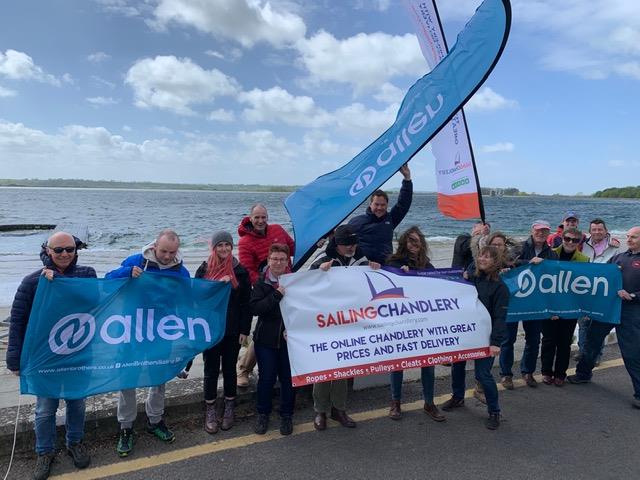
278, 260
571, 239
59, 250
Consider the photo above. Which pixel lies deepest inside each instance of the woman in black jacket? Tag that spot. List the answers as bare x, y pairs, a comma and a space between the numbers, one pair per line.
494, 295
413, 254
223, 266
270, 343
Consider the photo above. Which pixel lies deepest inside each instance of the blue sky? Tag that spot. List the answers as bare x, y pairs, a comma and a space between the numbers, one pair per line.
245, 91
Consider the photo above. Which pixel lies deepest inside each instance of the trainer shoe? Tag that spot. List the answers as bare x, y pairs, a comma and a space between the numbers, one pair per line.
286, 425
493, 422
161, 431
529, 380
43, 466
262, 424
78, 452
507, 382
452, 403
125, 442
575, 379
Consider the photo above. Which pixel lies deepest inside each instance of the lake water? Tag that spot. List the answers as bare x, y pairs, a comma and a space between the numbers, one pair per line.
121, 221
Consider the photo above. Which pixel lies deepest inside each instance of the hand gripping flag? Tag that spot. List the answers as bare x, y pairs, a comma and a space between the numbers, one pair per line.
428, 106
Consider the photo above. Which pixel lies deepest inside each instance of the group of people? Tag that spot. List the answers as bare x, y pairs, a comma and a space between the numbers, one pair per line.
264, 254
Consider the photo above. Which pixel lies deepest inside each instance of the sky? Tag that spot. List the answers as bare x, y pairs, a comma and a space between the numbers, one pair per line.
280, 92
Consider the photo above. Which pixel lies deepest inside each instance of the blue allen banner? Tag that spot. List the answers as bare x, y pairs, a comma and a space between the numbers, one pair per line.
430, 103
567, 289
89, 336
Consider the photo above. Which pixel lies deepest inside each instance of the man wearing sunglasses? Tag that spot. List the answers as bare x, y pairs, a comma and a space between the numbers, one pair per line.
60, 258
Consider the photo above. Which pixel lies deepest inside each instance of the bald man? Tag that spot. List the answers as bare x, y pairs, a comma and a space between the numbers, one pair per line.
59, 256
628, 330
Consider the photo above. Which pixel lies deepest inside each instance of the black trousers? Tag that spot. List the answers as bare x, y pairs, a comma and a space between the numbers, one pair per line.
225, 352
556, 345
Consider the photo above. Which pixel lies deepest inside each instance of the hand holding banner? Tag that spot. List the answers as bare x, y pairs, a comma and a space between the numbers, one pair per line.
355, 321
90, 336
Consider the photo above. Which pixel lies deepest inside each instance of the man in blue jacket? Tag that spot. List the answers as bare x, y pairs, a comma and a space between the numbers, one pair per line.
375, 227
60, 259
162, 257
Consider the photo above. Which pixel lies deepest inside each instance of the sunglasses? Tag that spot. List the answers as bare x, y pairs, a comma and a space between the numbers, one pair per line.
571, 239
59, 250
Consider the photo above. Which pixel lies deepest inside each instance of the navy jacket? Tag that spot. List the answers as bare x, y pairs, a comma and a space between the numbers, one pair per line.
375, 235
528, 252
23, 301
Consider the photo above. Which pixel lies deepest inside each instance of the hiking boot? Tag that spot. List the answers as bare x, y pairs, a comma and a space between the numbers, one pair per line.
161, 431
529, 380
575, 379
228, 417
431, 410
547, 379
43, 466
507, 382
286, 425
342, 418
78, 452
395, 412
211, 420
452, 403
242, 379
262, 424
493, 422
125, 442
320, 421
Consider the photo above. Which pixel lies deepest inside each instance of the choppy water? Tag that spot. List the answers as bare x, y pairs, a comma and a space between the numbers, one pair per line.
121, 221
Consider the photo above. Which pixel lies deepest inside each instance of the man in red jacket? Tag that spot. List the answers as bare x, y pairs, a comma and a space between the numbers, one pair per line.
256, 237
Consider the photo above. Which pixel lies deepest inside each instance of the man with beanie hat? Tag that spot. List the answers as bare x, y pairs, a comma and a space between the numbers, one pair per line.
342, 251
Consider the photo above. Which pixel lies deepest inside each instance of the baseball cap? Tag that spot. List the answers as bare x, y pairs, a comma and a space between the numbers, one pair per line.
540, 224
570, 214
345, 235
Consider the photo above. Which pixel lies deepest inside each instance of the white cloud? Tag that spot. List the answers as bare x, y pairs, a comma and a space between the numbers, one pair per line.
127, 128
389, 93
359, 119
174, 84
245, 21
6, 92
278, 105
102, 82
19, 66
498, 147
214, 53
232, 54
98, 57
486, 99
221, 115
102, 101
365, 60
123, 7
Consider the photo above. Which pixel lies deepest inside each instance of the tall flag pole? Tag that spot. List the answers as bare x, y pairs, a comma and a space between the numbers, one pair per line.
459, 193
428, 106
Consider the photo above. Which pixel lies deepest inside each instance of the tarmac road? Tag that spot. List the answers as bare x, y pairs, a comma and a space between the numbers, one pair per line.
575, 432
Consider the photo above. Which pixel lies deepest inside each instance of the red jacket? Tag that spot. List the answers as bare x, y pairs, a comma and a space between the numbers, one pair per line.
253, 248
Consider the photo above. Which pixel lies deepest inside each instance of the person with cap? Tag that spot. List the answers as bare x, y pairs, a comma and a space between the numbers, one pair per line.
570, 220
534, 250
628, 330
160, 257
375, 227
222, 266
60, 260
331, 397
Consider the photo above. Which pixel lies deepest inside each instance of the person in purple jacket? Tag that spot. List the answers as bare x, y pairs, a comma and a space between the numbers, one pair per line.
162, 257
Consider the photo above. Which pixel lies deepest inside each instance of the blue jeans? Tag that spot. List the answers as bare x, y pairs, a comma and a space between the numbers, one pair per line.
531, 345
583, 327
427, 376
274, 363
45, 423
628, 333
483, 376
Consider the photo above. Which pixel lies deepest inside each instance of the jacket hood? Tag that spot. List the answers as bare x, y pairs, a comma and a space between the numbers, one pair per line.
47, 261
149, 254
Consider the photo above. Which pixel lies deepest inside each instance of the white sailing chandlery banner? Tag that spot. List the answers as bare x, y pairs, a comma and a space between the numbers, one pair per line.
355, 321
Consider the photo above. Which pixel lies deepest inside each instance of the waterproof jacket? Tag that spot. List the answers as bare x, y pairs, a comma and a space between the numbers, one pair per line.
337, 260
576, 257
528, 252
265, 303
253, 247
605, 256
238, 311
494, 295
23, 301
143, 261
375, 235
